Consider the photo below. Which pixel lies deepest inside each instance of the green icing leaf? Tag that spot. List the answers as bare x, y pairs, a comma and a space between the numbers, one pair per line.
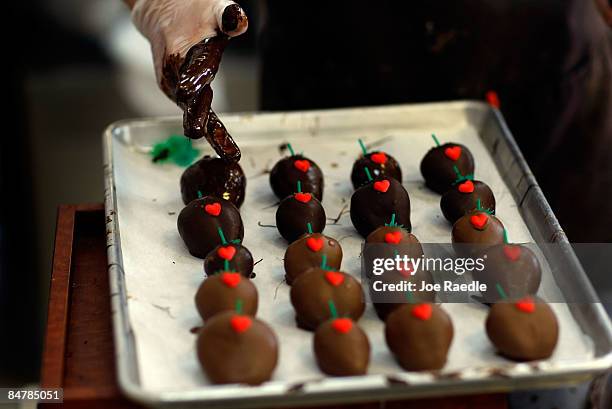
176, 149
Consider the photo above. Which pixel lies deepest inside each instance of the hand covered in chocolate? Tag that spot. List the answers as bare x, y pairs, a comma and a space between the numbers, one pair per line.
187, 40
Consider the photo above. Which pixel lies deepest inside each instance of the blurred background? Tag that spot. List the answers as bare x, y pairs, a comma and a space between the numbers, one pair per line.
74, 66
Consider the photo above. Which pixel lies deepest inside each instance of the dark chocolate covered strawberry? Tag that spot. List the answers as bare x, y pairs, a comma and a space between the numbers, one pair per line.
437, 166
372, 204
378, 162
296, 168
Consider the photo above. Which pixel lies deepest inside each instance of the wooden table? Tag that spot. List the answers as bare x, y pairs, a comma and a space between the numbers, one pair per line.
79, 352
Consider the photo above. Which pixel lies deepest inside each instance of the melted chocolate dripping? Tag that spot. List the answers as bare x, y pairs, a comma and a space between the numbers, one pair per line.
188, 84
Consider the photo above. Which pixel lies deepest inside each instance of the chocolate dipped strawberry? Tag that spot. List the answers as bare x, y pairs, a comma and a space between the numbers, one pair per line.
312, 291
229, 256
419, 336
211, 176
296, 168
394, 234
437, 166
389, 241
299, 213
372, 204
309, 252
199, 222
378, 162
462, 198
237, 348
514, 267
385, 302
341, 347
221, 291
476, 231
523, 330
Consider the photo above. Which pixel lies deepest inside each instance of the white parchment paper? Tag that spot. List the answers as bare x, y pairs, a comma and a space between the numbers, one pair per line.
162, 278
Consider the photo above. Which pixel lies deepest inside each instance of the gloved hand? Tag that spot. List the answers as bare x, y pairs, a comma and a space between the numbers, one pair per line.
174, 26
188, 39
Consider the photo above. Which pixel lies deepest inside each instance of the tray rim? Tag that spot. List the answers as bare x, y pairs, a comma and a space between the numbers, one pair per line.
125, 352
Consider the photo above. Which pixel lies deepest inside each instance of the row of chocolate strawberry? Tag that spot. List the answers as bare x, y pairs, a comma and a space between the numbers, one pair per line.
233, 346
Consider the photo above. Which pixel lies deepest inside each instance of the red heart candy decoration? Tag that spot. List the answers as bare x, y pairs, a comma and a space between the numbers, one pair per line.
379, 157
342, 325
393, 237
226, 253
526, 305
335, 278
421, 311
302, 165
240, 323
466, 187
213, 209
512, 253
382, 185
314, 244
230, 279
479, 220
453, 153
303, 197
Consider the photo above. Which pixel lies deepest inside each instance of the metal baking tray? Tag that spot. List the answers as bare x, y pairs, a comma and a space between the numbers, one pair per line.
137, 191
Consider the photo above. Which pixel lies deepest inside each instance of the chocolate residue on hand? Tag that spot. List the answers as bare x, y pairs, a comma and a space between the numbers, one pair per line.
233, 19
188, 84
